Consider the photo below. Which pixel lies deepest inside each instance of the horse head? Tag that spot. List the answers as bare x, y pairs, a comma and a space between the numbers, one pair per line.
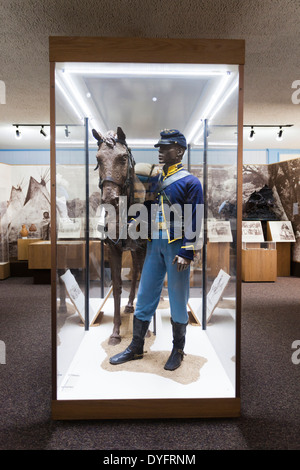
115, 165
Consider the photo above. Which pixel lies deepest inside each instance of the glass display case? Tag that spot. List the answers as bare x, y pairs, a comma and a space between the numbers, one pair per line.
259, 245
104, 96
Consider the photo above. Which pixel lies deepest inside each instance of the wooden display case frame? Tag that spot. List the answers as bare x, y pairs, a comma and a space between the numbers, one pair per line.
146, 50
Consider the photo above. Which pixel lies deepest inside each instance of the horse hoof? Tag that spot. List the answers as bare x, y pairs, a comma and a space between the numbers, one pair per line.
114, 340
129, 309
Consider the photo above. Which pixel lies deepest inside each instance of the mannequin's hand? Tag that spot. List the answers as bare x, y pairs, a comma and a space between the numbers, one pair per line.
182, 263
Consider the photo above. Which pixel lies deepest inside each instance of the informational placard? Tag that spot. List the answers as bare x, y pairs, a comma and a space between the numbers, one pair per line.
215, 293
219, 231
281, 231
212, 299
69, 228
75, 294
252, 231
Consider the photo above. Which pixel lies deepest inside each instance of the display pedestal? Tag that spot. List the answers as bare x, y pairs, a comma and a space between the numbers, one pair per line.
70, 255
283, 259
39, 255
283, 256
218, 257
23, 244
4, 270
282, 233
259, 264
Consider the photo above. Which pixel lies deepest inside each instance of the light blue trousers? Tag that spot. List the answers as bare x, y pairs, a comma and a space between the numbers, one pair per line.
158, 262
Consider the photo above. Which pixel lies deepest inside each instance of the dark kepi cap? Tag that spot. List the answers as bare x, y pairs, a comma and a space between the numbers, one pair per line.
171, 136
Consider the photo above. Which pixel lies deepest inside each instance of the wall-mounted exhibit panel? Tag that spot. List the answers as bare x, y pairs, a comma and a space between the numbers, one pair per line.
115, 111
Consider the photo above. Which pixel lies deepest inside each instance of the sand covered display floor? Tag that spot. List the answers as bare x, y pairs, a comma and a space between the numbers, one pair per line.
91, 376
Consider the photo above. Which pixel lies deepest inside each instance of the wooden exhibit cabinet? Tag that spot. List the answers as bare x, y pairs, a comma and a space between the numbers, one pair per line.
4, 270
71, 255
23, 245
125, 52
283, 254
259, 264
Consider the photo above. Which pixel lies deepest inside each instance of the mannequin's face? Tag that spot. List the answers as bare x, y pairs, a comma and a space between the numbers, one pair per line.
169, 155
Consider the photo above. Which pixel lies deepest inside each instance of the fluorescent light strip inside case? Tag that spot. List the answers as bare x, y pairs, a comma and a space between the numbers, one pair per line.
143, 70
149, 70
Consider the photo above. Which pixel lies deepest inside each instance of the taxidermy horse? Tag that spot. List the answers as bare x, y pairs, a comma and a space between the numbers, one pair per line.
117, 178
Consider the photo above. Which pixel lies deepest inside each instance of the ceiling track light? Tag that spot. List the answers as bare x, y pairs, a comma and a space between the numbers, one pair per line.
67, 132
18, 133
43, 132
279, 135
251, 135
42, 128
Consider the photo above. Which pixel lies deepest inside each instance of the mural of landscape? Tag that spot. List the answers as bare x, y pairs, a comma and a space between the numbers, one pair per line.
28, 204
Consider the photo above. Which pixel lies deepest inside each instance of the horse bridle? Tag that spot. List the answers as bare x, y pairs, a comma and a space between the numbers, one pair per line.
130, 166
128, 182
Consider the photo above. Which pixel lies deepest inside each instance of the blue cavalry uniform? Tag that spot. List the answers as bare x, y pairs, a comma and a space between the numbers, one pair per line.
168, 238
173, 230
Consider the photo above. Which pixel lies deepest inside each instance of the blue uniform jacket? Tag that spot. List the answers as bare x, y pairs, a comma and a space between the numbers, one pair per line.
185, 191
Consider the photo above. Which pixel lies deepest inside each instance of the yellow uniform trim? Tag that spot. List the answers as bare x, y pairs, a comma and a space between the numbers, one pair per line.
163, 213
171, 170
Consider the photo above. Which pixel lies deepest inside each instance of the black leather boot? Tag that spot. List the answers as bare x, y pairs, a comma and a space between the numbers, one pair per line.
136, 348
176, 356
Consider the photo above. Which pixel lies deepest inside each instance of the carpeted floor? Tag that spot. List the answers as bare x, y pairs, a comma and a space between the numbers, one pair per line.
270, 382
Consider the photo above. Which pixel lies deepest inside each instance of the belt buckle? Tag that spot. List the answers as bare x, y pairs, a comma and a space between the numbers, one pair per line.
161, 225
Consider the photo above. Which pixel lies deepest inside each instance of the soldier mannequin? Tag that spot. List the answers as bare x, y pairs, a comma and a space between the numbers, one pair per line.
170, 155
166, 253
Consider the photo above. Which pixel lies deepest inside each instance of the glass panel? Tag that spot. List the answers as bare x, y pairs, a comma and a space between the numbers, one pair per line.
70, 234
143, 99
221, 224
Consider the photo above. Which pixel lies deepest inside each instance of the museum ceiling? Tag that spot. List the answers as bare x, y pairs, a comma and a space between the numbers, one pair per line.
269, 28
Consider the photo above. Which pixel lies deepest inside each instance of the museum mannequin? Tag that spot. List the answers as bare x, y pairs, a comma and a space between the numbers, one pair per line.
167, 252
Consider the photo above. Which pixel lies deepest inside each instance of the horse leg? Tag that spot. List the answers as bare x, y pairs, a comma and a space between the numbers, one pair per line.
137, 265
115, 266
134, 276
